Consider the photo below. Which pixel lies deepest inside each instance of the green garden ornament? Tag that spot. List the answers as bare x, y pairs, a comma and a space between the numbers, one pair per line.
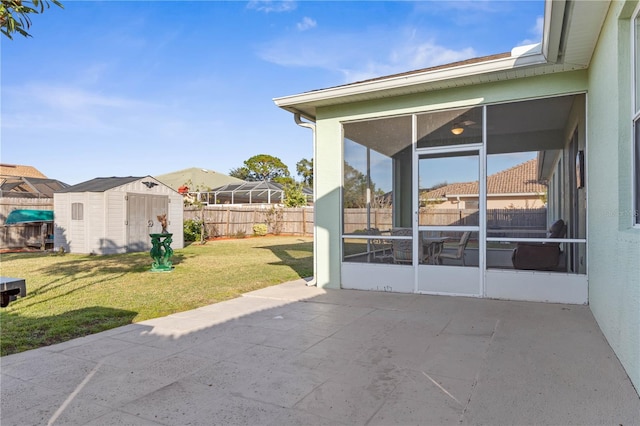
161, 250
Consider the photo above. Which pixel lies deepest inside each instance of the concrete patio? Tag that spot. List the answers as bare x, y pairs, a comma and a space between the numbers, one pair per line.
297, 355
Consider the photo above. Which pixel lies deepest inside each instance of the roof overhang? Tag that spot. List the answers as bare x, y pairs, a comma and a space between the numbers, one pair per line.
571, 30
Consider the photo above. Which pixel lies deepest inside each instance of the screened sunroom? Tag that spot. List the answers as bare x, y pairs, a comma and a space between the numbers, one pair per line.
509, 176
474, 237
484, 201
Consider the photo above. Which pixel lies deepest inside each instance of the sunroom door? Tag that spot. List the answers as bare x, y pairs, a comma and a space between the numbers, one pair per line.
449, 223
449, 199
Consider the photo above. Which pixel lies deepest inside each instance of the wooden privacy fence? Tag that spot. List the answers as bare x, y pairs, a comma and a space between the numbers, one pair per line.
521, 223
14, 236
227, 221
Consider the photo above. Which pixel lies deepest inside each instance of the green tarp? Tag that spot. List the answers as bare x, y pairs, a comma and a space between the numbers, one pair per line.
28, 216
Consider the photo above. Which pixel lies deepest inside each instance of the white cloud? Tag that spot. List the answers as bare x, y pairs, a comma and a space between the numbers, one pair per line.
61, 97
359, 56
306, 24
536, 32
269, 6
63, 108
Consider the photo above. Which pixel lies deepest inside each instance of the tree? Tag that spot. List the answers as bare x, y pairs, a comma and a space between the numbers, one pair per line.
304, 168
294, 196
15, 15
354, 192
240, 173
263, 167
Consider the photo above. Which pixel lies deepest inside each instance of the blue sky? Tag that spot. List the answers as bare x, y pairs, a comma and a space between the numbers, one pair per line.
136, 88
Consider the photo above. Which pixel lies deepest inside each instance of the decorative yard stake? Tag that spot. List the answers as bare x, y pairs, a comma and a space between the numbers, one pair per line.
161, 250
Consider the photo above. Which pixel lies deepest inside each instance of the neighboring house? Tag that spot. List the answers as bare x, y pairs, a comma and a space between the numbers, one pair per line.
25, 189
196, 180
20, 171
573, 101
115, 215
515, 188
26, 182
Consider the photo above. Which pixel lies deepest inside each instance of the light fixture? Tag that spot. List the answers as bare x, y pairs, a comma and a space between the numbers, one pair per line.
457, 129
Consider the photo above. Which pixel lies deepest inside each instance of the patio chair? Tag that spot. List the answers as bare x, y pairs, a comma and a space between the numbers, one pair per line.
403, 249
459, 253
380, 248
540, 256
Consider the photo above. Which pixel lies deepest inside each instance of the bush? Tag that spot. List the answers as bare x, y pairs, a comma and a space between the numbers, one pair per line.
239, 234
193, 230
260, 229
274, 218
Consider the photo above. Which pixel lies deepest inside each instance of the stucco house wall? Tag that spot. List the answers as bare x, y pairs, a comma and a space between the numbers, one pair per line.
613, 244
502, 202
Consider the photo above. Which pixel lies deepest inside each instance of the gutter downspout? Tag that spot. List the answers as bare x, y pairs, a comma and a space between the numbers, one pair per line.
312, 126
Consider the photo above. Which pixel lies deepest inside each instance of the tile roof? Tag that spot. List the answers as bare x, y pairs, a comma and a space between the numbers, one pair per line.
520, 179
21, 171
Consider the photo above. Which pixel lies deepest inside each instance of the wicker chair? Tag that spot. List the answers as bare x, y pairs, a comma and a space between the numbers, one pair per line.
381, 249
403, 249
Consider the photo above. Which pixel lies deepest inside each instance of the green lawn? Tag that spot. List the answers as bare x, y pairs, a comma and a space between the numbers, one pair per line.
70, 295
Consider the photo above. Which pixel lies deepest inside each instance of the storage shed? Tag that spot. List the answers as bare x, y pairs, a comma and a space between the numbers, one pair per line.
115, 215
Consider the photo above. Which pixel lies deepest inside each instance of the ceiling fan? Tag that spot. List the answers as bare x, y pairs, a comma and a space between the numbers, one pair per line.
458, 127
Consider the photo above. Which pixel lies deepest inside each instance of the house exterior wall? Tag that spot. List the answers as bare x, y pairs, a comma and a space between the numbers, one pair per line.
329, 162
502, 202
614, 245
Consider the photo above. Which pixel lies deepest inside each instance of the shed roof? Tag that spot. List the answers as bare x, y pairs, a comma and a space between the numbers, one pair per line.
101, 184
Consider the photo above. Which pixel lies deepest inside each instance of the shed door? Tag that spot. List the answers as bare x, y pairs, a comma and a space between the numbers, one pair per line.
142, 219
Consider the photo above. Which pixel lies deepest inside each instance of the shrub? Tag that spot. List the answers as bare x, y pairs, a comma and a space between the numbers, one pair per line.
260, 229
193, 230
240, 234
274, 218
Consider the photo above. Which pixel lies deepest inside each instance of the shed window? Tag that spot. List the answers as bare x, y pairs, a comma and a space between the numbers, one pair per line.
77, 211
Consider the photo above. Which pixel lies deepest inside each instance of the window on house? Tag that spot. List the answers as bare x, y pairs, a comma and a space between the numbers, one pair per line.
77, 211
